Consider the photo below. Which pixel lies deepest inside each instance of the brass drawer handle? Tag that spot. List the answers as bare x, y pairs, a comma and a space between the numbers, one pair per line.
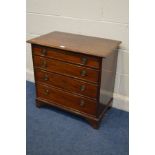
84, 60
82, 88
82, 103
46, 78
43, 52
83, 73
46, 92
44, 64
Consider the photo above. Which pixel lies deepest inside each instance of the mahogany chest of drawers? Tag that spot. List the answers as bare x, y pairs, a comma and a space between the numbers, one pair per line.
68, 69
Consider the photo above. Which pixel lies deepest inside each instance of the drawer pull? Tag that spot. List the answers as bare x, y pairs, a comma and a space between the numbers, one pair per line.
44, 64
43, 52
46, 78
83, 73
46, 92
82, 103
82, 88
84, 60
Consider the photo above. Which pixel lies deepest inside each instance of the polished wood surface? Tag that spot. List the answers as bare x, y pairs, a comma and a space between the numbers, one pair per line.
94, 121
67, 83
71, 57
77, 43
60, 67
66, 99
108, 76
68, 70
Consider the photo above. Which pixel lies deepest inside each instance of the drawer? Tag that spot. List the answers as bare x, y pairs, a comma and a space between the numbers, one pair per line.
60, 67
66, 83
65, 99
72, 57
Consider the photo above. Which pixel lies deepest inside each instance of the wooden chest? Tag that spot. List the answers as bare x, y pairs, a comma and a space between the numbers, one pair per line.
67, 69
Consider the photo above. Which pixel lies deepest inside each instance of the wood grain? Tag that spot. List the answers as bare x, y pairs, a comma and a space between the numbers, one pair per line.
71, 57
67, 99
68, 70
66, 83
60, 67
77, 43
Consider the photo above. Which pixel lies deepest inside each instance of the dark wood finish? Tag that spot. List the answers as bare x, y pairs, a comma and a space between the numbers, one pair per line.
77, 43
66, 99
68, 70
67, 83
108, 74
93, 121
71, 57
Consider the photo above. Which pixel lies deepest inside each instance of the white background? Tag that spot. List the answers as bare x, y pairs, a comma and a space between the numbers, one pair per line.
13, 69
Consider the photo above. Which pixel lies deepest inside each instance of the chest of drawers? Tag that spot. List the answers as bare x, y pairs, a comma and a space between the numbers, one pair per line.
68, 69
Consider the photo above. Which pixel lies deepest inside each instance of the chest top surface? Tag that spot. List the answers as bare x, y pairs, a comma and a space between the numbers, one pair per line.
77, 43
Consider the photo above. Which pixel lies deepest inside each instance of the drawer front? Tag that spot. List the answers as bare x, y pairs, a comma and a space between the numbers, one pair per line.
81, 59
67, 83
66, 99
57, 66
